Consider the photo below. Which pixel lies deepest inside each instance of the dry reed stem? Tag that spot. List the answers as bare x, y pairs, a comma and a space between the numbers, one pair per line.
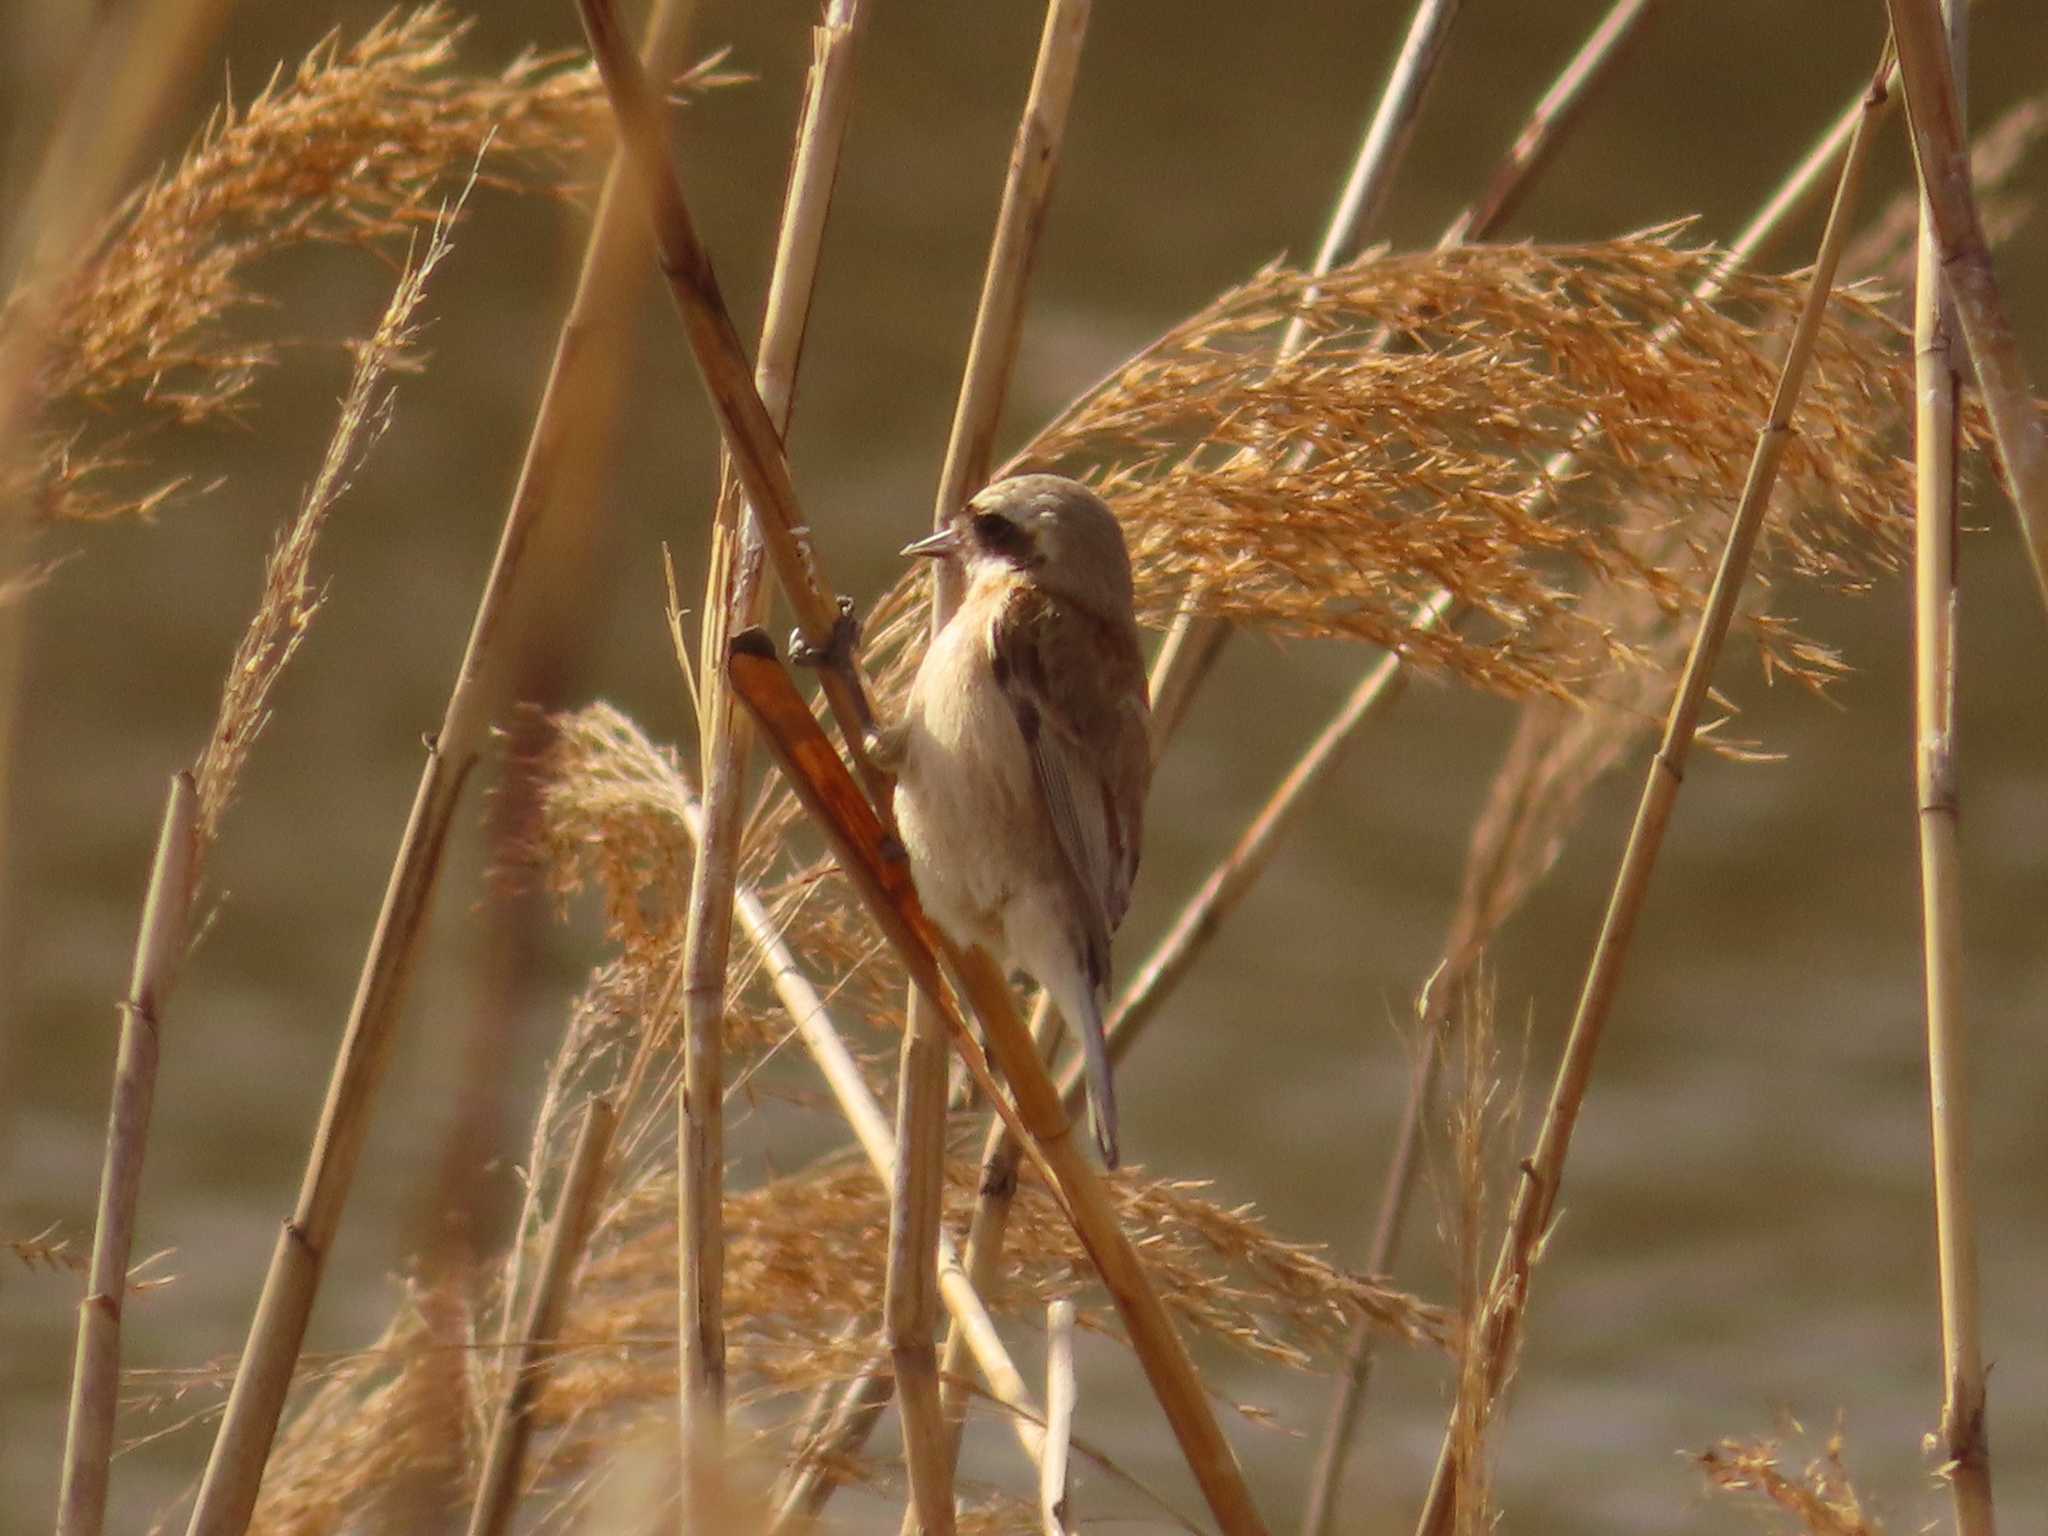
1821, 1499
735, 598
911, 1314
1196, 638
748, 431
1555, 114
1061, 1389
96, 1369
199, 801
1046, 1130
227, 1492
1941, 150
999, 316
498, 1489
1965, 1443
818, 1463
1549, 765
1536, 1195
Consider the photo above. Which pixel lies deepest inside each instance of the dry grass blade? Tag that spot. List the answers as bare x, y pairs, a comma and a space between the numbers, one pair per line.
1965, 1441
96, 1369
1045, 1130
1536, 1196
581, 1184
1821, 1499
227, 1493
1941, 148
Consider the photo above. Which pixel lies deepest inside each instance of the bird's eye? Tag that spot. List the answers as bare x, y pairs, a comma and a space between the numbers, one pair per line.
998, 535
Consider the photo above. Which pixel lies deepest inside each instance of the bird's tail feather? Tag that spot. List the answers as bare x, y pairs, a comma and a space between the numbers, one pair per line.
1101, 1086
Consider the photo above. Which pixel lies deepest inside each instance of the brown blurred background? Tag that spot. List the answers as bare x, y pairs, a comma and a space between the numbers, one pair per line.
1747, 1224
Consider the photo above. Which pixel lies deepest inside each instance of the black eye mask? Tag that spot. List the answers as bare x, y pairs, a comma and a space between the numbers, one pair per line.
999, 536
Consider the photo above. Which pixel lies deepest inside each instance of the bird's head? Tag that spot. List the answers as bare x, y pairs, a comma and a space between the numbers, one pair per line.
1054, 531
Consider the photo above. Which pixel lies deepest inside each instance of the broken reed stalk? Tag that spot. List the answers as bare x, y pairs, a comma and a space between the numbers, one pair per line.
735, 598
1941, 149
932, 1421
823, 785
1347, 1398
1193, 643
1965, 1443
745, 426
1061, 1389
96, 1368
234, 1470
1543, 1171
498, 1490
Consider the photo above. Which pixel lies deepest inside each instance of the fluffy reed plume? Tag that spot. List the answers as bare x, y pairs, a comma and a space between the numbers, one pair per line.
1820, 1498
290, 598
806, 1257
348, 148
1421, 472
1478, 1120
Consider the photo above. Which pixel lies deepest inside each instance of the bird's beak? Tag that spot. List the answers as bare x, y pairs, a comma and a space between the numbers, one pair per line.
945, 542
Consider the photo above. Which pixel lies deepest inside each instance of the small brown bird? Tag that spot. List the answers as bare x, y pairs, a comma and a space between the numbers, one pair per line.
1025, 751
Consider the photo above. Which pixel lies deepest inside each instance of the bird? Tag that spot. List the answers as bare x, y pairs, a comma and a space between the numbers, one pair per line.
1023, 755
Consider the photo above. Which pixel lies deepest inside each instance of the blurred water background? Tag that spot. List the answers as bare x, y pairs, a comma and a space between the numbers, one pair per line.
1747, 1226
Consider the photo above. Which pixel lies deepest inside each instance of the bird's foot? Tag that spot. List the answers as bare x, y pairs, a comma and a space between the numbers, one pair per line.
837, 652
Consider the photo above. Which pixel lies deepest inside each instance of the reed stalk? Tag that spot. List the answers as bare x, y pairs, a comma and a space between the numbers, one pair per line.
1061, 1390
1195, 640
748, 430
1347, 1398
96, 1369
852, 1420
1963, 253
735, 598
1965, 1445
825, 788
498, 1490
931, 1434
234, 1470
842, 1074
1536, 1195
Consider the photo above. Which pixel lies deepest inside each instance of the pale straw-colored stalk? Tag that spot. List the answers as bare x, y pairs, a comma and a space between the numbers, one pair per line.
827, 793
753, 444
1543, 1170
1965, 1443
736, 597
227, 1491
1193, 643
1061, 1389
853, 1418
96, 1368
1347, 1398
910, 1316
1963, 253
504, 1461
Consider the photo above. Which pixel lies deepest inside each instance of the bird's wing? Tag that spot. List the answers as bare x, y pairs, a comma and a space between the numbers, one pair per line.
1077, 688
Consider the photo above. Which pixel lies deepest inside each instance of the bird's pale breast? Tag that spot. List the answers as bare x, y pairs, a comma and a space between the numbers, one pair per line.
966, 803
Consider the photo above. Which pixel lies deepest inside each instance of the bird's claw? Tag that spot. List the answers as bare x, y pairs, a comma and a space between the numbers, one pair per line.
836, 653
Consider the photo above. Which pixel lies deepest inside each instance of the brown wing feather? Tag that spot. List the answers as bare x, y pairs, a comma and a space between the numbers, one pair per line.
1077, 686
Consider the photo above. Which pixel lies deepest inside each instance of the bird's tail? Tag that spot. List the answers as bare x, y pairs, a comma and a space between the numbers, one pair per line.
1101, 1086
